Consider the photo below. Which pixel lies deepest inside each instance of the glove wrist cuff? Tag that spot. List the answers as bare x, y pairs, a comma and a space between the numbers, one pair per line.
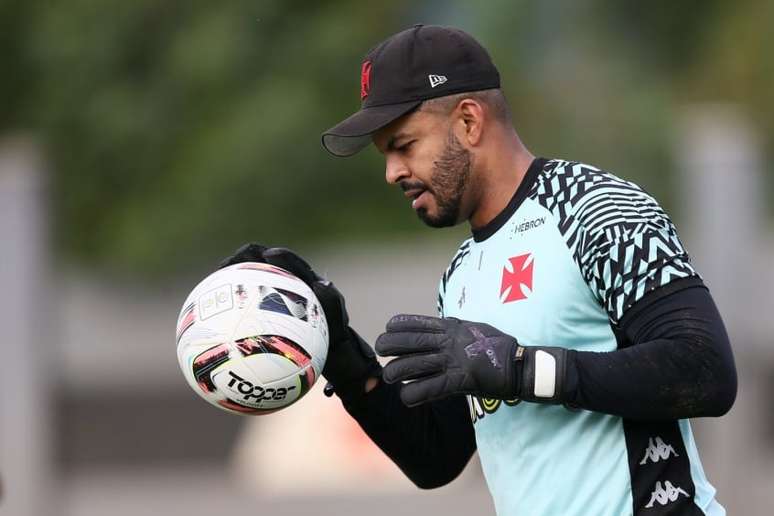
348, 377
543, 373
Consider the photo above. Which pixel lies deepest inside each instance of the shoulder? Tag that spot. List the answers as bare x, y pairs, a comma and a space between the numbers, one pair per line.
622, 240
572, 182
594, 199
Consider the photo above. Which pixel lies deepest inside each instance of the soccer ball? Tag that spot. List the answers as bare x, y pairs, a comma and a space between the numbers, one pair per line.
251, 338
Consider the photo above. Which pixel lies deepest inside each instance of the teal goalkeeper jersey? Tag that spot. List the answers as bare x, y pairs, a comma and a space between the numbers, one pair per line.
575, 248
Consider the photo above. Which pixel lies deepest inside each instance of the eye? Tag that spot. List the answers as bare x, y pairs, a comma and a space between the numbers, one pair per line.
405, 147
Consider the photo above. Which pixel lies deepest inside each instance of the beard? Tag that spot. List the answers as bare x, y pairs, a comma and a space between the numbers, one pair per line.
447, 184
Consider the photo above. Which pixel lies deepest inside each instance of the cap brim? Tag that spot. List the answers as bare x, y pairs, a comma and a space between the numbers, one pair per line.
354, 133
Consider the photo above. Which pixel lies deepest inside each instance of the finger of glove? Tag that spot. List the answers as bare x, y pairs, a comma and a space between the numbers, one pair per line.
423, 391
413, 367
328, 295
247, 253
291, 262
404, 343
416, 323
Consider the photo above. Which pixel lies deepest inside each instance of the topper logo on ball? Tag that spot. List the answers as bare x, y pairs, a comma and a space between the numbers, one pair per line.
248, 390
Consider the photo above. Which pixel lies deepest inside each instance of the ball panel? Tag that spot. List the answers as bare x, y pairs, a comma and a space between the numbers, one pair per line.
205, 363
185, 321
263, 267
285, 347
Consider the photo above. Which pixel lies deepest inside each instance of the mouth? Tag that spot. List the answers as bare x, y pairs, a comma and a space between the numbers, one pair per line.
417, 192
418, 197
414, 193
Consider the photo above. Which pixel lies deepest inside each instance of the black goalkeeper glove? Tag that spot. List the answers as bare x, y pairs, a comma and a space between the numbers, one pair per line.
350, 361
449, 356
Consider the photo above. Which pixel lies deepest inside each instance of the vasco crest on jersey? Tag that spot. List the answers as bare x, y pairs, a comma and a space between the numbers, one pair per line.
516, 282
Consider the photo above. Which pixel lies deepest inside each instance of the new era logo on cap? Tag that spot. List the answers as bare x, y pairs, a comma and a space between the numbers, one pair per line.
435, 80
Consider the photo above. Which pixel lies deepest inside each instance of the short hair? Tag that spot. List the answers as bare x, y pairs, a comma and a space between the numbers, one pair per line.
493, 98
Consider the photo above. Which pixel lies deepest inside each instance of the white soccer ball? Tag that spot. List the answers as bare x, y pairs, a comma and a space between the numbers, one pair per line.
252, 338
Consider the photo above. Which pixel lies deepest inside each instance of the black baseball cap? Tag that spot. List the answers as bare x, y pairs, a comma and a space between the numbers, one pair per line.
396, 76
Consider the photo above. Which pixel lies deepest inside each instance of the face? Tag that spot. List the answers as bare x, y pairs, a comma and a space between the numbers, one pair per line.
426, 159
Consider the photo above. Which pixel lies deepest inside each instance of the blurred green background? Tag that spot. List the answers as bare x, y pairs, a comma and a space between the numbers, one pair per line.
177, 130
173, 131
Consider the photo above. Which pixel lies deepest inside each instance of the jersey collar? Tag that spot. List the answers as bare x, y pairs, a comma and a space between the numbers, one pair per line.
481, 234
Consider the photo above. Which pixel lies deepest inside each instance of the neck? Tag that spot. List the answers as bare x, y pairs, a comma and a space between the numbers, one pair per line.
500, 175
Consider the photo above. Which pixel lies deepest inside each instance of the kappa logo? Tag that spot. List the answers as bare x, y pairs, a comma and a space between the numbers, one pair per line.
665, 494
520, 275
436, 80
657, 450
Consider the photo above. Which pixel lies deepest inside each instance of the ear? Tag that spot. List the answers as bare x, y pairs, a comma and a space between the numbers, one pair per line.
471, 121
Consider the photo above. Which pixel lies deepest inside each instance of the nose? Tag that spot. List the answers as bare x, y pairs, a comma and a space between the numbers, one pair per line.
395, 169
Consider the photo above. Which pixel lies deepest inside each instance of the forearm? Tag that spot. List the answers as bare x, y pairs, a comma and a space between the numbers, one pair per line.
653, 381
678, 364
430, 443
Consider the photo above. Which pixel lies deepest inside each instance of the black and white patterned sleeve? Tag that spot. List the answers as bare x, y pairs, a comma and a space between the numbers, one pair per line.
439, 304
462, 252
622, 240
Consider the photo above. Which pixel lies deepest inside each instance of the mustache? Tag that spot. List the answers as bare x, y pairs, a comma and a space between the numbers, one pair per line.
407, 185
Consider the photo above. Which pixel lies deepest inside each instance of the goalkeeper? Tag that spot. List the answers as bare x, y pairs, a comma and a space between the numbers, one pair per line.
575, 338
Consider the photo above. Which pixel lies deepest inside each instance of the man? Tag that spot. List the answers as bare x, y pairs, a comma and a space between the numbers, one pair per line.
574, 333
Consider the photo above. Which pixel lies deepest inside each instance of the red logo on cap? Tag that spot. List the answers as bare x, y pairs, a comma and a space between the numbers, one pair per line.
365, 79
